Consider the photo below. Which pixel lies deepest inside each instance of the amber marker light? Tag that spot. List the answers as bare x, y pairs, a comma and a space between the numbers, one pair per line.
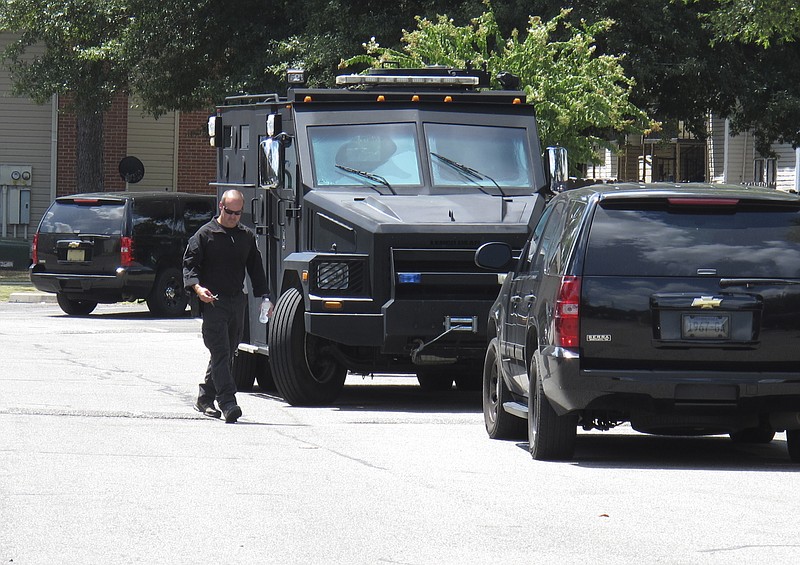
415, 98
516, 101
304, 276
307, 99
448, 98
332, 305
381, 98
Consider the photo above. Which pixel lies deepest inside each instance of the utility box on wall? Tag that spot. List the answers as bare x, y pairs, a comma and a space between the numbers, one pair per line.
15, 175
19, 206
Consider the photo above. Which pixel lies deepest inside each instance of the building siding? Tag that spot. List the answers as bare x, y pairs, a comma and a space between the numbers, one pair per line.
26, 140
152, 141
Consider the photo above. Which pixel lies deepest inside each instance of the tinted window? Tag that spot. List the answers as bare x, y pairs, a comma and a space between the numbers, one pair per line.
549, 237
153, 217
196, 213
562, 248
752, 242
103, 218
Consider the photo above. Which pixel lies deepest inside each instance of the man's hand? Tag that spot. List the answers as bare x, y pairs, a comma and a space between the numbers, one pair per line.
204, 294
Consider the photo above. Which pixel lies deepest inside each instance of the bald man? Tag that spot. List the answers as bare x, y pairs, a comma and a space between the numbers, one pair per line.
214, 266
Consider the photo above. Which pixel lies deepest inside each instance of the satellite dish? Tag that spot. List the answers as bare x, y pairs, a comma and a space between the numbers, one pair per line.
131, 170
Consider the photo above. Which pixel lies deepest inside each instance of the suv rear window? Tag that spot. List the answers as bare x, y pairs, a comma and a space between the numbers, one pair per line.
743, 241
102, 218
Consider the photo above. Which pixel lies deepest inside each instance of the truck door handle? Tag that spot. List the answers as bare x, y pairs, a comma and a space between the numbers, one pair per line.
516, 299
529, 298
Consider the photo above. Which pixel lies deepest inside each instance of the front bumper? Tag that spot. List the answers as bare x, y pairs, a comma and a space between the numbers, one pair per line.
403, 324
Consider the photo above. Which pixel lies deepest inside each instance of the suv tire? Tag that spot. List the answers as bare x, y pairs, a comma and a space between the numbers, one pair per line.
499, 423
435, 379
793, 444
168, 297
753, 435
305, 373
75, 307
550, 437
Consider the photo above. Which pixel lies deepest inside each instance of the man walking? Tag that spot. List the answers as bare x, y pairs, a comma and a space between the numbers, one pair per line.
214, 266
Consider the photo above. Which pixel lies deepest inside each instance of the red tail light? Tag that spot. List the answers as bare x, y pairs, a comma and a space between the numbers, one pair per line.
567, 330
35, 249
125, 251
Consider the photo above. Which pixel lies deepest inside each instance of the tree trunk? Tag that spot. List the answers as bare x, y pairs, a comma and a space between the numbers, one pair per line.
89, 152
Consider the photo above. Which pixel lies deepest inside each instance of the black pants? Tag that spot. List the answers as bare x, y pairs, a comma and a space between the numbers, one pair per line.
223, 323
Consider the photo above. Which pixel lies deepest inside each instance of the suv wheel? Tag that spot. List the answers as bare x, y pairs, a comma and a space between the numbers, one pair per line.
75, 307
499, 423
550, 437
435, 378
168, 297
793, 443
305, 372
753, 435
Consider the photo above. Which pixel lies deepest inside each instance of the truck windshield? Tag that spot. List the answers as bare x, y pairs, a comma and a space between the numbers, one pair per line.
499, 154
388, 151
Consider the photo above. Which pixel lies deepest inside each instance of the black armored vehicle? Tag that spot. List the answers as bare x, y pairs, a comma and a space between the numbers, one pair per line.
369, 202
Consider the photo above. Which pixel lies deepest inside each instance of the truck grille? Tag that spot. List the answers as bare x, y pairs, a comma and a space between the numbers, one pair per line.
441, 274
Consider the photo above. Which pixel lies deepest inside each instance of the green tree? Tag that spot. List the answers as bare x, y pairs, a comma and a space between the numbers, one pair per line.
763, 22
83, 58
581, 98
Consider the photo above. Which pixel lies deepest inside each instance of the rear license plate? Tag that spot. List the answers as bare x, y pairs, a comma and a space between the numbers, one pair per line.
705, 327
76, 255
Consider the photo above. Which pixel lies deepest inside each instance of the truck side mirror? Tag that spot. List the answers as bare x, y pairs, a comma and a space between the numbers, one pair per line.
495, 256
272, 156
558, 168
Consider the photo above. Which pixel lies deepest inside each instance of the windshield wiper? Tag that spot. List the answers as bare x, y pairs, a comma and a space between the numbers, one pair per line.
371, 176
469, 173
756, 282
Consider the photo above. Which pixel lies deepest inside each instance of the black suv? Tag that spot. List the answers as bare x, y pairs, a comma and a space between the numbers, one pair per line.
109, 247
673, 307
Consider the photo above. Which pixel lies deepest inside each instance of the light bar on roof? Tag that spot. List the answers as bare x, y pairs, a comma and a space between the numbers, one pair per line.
350, 80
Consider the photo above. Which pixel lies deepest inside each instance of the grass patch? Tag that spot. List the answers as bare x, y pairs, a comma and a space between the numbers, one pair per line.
6, 290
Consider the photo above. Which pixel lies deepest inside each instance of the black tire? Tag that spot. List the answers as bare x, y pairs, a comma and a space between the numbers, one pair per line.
243, 369
168, 297
305, 372
793, 445
75, 307
753, 435
499, 423
435, 379
550, 437
469, 378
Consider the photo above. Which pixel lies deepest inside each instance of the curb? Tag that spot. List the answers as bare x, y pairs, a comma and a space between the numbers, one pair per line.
32, 297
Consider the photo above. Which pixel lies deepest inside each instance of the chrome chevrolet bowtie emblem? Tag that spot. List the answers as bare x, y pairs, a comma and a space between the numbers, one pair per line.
706, 302
74, 244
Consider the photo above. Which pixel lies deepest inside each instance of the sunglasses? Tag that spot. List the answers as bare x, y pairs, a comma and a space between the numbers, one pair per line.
232, 212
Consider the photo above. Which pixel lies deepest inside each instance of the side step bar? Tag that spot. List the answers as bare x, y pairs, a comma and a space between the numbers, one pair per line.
516, 408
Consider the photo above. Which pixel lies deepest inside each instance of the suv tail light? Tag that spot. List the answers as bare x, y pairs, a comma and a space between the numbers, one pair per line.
567, 330
125, 251
35, 249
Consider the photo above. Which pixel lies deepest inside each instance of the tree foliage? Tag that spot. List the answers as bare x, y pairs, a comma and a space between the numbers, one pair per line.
581, 97
762, 22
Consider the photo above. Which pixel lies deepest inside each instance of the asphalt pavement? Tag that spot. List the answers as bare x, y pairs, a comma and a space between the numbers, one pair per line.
104, 461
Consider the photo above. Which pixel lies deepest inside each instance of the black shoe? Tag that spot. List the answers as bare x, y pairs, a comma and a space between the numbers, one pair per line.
232, 414
207, 410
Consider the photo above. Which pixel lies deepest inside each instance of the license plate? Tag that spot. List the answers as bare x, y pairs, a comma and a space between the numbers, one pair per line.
705, 327
76, 255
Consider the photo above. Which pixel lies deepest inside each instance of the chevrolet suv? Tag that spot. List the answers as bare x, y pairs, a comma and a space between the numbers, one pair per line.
111, 247
675, 308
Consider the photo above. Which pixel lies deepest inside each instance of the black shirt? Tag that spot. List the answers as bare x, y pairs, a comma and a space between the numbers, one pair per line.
217, 258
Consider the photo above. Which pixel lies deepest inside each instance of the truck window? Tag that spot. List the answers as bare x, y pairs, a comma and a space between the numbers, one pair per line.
388, 150
499, 154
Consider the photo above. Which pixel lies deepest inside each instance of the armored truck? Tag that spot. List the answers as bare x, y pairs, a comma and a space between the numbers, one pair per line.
369, 201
